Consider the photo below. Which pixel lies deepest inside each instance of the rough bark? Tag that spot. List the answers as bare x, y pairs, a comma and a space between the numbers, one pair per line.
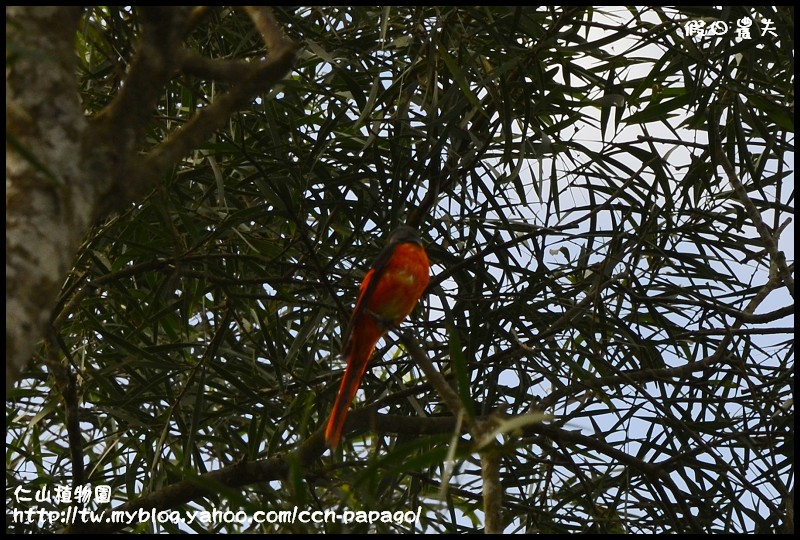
48, 195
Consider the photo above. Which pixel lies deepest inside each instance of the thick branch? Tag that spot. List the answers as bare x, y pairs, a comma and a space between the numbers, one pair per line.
259, 78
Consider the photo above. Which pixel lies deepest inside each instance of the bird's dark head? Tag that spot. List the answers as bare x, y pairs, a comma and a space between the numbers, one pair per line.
404, 234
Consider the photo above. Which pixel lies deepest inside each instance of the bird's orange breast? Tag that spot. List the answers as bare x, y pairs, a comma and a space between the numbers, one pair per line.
403, 281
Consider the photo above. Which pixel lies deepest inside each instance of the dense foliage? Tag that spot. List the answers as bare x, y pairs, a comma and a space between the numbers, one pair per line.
602, 197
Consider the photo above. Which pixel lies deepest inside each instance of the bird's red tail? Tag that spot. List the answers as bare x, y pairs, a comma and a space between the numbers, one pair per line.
359, 350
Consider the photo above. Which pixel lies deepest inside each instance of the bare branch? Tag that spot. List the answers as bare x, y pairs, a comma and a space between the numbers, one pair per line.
261, 77
231, 71
271, 32
771, 241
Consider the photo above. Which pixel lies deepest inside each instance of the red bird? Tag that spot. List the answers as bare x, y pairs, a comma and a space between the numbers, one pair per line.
389, 292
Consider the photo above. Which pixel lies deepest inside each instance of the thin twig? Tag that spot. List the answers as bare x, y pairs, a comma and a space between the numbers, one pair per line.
777, 257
